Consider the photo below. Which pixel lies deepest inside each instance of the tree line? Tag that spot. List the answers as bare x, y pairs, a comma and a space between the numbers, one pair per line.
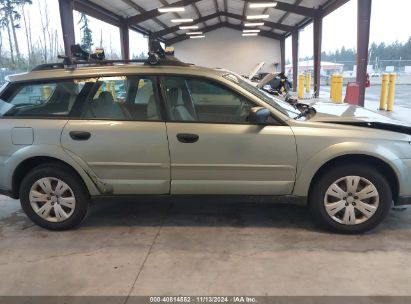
15, 19
380, 55
39, 47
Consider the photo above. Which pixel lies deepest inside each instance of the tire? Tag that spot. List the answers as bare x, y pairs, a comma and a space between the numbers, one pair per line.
63, 207
326, 199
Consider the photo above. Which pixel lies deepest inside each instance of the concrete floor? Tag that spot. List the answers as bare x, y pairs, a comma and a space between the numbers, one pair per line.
202, 247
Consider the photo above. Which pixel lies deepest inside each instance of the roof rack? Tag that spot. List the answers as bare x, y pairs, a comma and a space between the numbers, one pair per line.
156, 56
49, 66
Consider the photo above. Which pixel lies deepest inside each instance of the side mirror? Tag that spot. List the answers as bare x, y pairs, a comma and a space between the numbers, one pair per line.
259, 116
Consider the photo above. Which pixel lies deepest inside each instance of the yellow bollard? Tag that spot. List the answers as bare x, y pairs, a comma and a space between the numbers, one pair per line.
391, 92
332, 87
108, 86
308, 83
301, 79
384, 90
338, 86
46, 92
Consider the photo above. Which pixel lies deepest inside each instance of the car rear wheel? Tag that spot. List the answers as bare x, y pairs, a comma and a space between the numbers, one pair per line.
53, 197
350, 199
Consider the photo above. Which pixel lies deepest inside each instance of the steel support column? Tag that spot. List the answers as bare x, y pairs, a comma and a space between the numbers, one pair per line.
295, 42
363, 40
67, 24
318, 30
125, 41
150, 41
282, 50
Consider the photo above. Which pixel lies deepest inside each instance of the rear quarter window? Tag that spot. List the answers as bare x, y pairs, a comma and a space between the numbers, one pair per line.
47, 99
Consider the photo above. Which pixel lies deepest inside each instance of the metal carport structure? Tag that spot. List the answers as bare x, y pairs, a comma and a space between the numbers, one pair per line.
286, 19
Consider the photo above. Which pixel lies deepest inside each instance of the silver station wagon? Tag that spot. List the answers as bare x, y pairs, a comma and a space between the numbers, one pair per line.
72, 135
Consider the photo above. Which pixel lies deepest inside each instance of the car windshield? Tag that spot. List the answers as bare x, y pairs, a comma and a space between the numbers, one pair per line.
280, 105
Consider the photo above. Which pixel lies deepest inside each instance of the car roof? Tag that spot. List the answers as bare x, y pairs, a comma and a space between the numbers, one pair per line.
114, 70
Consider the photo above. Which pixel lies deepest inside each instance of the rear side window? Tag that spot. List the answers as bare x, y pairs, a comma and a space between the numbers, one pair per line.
49, 99
123, 98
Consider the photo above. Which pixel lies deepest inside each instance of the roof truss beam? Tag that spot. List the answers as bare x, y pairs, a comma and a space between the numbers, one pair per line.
98, 12
270, 24
185, 37
245, 10
220, 25
91, 9
217, 10
176, 28
296, 9
203, 19
141, 10
331, 6
94, 10
199, 15
166, 4
262, 33
285, 16
226, 8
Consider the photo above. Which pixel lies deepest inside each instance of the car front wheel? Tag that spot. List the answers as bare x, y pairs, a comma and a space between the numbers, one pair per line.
53, 197
350, 199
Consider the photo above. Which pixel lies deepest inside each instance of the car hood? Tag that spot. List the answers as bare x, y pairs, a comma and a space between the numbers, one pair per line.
357, 116
267, 79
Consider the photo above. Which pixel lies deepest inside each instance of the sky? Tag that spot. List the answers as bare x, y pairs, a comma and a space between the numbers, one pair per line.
390, 21
109, 33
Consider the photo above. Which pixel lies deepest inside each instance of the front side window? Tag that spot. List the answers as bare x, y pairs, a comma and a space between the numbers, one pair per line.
48, 99
280, 105
123, 98
196, 99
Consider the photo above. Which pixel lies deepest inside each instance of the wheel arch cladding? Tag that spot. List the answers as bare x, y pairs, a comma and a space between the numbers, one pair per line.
29, 164
374, 162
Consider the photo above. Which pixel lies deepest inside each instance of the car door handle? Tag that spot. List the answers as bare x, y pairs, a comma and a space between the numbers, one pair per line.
187, 138
80, 135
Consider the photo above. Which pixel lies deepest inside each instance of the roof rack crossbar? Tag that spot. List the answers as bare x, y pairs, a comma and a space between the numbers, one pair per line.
49, 66
74, 63
156, 56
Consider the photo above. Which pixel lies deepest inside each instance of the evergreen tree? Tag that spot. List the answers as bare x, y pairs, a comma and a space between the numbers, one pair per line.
86, 33
10, 19
141, 56
381, 55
